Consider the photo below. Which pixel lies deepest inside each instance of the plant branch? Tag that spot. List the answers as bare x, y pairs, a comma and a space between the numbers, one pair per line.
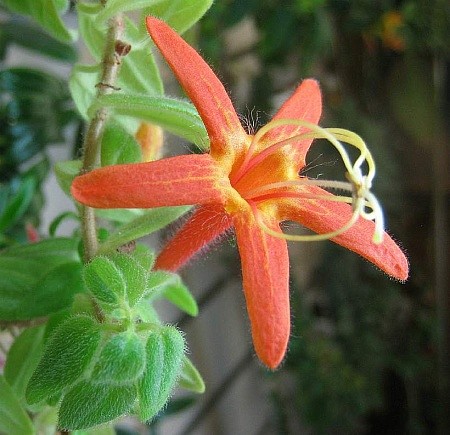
113, 53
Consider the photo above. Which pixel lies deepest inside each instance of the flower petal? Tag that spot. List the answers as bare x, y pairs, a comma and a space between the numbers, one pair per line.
323, 216
202, 86
203, 227
265, 270
304, 104
181, 180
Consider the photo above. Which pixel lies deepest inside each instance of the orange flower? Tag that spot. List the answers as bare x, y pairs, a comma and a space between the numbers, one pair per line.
251, 184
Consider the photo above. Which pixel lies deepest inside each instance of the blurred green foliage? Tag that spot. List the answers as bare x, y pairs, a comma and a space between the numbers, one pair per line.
35, 109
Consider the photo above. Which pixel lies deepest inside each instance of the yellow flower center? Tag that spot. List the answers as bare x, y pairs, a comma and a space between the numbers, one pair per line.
269, 173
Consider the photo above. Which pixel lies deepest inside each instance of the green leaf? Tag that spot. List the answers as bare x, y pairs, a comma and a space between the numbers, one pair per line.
114, 7
190, 378
144, 256
23, 357
13, 418
134, 274
121, 361
65, 173
93, 35
53, 227
153, 220
165, 350
104, 280
87, 404
120, 215
178, 117
51, 293
67, 355
139, 73
19, 204
176, 292
119, 146
102, 430
39, 278
46, 13
82, 84
179, 14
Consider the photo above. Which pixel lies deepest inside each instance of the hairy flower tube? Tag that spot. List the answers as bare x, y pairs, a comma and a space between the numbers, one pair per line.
251, 183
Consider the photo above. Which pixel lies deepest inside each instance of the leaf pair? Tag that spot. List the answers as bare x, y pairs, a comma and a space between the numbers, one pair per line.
99, 375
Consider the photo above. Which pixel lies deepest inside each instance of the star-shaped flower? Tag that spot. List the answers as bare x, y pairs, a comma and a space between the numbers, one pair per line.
251, 183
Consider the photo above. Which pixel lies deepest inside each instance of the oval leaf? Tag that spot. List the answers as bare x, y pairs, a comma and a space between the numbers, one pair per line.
119, 146
121, 360
135, 276
190, 378
104, 280
165, 350
87, 404
67, 354
180, 14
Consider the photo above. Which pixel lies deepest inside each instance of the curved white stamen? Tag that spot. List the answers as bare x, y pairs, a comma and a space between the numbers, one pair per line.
358, 183
306, 237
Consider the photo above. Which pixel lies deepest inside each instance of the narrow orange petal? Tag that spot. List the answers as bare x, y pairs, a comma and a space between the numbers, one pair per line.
326, 216
202, 86
206, 224
265, 271
305, 104
181, 180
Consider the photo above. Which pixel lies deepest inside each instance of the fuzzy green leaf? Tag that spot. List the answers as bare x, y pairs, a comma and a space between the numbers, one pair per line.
104, 280
170, 286
13, 418
88, 404
190, 378
102, 430
114, 7
23, 357
151, 221
119, 146
177, 293
135, 276
139, 73
54, 292
92, 35
165, 350
121, 361
120, 215
66, 356
144, 256
180, 14
177, 116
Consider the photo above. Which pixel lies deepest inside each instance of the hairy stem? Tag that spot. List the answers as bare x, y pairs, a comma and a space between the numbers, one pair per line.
111, 64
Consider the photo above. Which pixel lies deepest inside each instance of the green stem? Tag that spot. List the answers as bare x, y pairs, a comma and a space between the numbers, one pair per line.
91, 147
